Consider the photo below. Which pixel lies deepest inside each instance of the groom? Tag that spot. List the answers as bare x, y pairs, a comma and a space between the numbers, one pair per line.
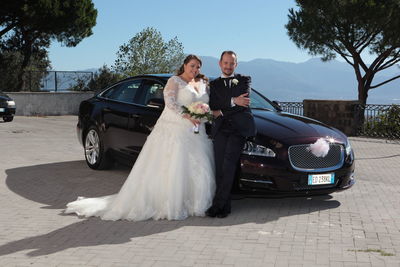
229, 101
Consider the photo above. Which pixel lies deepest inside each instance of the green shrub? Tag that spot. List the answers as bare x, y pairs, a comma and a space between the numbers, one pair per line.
386, 124
103, 78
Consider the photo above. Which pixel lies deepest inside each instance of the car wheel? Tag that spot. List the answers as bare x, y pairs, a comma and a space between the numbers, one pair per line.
8, 118
96, 157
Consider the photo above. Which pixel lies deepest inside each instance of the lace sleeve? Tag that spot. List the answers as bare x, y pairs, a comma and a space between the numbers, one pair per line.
170, 95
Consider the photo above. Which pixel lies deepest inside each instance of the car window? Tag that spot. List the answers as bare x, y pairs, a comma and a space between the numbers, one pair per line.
153, 90
124, 92
110, 91
258, 102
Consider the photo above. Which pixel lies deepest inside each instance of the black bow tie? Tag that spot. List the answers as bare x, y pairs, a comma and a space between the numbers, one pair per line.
227, 79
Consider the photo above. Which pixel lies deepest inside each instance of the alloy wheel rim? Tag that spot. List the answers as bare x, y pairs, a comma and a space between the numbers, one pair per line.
92, 147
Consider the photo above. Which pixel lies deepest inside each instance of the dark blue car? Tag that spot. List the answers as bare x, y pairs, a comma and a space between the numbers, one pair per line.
114, 125
7, 107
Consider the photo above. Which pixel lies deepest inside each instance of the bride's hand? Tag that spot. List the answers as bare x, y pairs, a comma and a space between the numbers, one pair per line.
192, 120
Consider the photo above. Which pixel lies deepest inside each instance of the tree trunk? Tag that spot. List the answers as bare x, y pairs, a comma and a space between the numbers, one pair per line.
27, 52
362, 99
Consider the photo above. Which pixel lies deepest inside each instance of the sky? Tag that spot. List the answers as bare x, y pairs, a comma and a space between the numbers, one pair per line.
253, 29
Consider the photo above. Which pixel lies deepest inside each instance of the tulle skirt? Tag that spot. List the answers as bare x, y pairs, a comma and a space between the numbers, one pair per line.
172, 178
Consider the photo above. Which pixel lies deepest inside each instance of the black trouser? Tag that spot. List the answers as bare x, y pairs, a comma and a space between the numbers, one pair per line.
228, 146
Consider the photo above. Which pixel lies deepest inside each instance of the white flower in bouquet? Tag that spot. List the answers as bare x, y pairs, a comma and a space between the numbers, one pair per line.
199, 108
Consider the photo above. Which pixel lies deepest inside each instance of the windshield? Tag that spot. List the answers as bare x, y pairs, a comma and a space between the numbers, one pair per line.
260, 102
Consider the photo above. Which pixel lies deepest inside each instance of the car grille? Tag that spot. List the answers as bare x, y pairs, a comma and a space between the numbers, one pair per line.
303, 160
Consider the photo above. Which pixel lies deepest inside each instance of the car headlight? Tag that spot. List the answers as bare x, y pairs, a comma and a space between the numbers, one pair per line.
253, 149
10, 103
348, 148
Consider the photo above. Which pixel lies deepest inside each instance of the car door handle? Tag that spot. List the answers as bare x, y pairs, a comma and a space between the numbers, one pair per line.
134, 116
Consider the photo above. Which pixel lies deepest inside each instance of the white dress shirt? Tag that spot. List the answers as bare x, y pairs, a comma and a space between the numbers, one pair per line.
230, 85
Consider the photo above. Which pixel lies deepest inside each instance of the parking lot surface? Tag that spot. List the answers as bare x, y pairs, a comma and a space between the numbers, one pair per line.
42, 168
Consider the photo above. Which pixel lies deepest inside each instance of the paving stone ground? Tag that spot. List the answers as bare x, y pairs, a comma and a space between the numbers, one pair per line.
42, 168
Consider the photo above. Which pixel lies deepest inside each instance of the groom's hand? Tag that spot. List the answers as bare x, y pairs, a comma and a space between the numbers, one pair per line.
242, 100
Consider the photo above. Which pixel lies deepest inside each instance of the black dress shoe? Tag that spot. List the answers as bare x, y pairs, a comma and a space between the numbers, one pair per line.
222, 214
212, 212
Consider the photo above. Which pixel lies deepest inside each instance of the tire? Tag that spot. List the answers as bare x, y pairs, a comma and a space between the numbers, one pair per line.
8, 118
96, 157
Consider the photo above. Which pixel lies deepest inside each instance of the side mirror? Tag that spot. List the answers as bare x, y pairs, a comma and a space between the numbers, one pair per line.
156, 103
277, 105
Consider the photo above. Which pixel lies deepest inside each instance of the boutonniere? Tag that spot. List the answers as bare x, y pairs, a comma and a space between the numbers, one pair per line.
235, 81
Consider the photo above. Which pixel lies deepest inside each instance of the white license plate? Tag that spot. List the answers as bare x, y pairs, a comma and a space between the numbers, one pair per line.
2, 109
316, 179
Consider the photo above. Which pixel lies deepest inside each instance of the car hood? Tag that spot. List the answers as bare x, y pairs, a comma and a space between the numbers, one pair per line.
289, 128
4, 97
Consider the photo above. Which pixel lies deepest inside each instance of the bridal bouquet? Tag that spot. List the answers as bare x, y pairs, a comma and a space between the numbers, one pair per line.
198, 110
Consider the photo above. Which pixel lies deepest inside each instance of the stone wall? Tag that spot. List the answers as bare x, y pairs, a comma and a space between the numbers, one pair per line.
341, 114
48, 103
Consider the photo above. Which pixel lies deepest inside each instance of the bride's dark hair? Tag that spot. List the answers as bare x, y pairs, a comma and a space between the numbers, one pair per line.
186, 61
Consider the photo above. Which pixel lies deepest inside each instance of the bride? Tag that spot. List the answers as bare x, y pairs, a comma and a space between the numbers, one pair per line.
173, 176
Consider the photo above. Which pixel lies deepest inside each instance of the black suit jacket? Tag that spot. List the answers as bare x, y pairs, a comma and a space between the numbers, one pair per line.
239, 117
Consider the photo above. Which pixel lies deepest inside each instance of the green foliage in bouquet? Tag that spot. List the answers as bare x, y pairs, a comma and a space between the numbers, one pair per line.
208, 116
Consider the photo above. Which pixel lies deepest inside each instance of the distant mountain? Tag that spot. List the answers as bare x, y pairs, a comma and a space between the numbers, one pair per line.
91, 70
313, 79
292, 82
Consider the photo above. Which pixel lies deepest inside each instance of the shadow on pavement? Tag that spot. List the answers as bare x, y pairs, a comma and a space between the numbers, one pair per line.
56, 184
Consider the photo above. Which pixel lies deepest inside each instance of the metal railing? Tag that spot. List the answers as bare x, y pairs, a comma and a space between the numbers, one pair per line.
293, 107
381, 121
55, 81
66, 80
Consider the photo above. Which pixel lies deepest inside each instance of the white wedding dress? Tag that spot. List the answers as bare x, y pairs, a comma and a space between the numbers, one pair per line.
173, 176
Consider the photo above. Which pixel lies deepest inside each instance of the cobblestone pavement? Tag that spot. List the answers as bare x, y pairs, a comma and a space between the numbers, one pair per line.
42, 168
